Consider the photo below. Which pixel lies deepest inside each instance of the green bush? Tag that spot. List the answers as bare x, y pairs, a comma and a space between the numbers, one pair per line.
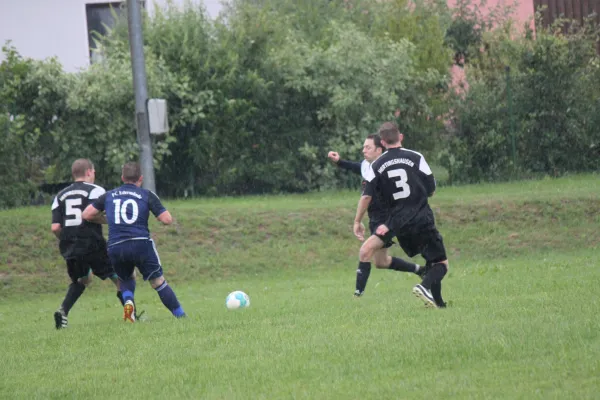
549, 104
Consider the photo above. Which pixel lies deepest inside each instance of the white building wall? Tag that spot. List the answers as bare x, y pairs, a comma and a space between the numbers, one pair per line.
46, 28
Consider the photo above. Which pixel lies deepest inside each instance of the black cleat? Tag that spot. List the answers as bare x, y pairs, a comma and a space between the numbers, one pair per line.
138, 316
358, 293
60, 319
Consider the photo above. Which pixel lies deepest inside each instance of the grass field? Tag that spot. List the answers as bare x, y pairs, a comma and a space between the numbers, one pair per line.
523, 321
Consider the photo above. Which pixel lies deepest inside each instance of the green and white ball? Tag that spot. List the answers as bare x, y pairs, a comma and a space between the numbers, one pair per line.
237, 299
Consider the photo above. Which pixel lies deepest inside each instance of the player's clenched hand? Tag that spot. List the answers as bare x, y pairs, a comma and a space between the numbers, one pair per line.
382, 230
359, 231
333, 156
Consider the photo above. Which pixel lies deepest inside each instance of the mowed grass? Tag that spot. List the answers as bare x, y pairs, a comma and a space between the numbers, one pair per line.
523, 321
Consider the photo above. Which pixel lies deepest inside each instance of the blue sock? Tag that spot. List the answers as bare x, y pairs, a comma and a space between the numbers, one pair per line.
168, 298
127, 289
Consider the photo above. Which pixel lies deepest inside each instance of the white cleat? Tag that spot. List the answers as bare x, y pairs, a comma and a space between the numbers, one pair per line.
421, 292
129, 311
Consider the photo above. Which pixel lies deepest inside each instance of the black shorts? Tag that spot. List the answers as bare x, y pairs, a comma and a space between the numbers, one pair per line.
428, 243
423, 239
387, 241
98, 262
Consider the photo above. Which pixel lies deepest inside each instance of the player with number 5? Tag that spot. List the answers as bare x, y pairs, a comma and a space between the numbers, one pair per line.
403, 180
129, 243
80, 242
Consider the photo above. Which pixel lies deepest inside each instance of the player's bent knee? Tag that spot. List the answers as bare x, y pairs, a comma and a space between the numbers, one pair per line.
366, 253
85, 281
446, 264
156, 282
443, 267
370, 248
382, 261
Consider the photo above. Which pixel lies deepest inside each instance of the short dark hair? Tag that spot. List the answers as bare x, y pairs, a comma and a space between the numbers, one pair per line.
376, 140
131, 172
389, 132
80, 166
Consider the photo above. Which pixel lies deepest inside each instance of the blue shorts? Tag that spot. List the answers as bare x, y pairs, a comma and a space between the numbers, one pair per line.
140, 253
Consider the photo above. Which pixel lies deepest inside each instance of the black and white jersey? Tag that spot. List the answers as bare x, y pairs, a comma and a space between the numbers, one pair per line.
403, 180
376, 212
77, 237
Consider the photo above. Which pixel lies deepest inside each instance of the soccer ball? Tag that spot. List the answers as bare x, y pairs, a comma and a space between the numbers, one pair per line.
237, 300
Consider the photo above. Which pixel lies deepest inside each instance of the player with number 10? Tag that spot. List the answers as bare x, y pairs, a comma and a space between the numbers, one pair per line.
129, 243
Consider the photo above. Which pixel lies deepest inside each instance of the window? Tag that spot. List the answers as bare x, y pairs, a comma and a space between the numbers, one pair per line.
100, 18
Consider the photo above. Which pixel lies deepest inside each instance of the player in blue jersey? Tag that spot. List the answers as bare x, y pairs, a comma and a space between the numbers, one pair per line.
129, 244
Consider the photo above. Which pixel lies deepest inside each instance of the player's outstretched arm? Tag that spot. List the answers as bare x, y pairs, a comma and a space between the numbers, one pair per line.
160, 212
101, 219
352, 166
165, 218
95, 211
344, 164
92, 214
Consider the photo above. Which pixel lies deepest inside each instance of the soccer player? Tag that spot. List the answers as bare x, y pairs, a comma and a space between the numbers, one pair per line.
378, 215
404, 181
80, 242
129, 244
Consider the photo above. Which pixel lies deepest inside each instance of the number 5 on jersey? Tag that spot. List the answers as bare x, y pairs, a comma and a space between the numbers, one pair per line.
72, 210
121, 211
401, 183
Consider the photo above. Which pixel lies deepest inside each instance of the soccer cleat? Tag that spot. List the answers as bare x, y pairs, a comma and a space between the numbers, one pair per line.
138, 317
421, 292
129, 311
358, 293
60, 319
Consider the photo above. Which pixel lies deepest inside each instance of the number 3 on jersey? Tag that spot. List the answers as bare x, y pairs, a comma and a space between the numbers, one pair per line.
121, 211
401, 183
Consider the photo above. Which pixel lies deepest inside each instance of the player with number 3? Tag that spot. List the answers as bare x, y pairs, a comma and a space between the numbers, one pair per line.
403, 180
129, 243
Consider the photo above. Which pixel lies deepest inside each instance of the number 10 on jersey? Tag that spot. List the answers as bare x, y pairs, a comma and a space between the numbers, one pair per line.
121, 211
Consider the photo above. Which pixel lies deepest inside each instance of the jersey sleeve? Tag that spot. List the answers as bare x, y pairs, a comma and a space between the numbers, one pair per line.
427, 175
99, 203
371, 180
56, 214
369, 190
155, 205
96, 193
352, 166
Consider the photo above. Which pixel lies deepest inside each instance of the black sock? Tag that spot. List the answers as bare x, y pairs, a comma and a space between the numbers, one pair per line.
437, 273
436, 292
120, 296
362, 276
75, 290
399, 264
